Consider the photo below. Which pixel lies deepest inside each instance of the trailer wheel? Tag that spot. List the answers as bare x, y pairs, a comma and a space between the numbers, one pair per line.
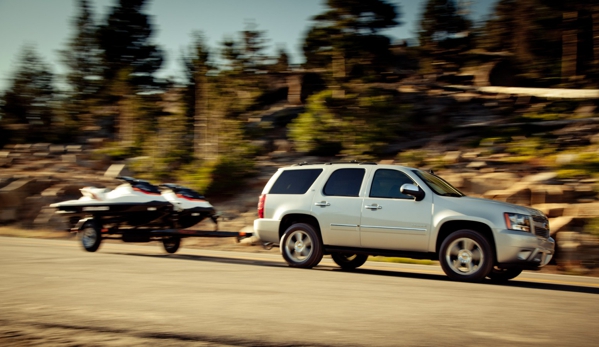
171, 243
91, 236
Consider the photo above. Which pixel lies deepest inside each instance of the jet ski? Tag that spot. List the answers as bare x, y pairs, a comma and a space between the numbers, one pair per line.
137, 204
189, 206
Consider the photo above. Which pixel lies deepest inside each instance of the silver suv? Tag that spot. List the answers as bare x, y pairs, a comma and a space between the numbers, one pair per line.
352, 210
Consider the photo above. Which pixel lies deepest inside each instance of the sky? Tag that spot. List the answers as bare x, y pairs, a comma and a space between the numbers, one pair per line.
47, 25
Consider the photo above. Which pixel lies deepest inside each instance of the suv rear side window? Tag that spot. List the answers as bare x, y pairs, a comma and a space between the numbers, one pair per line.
295, 181
344, 182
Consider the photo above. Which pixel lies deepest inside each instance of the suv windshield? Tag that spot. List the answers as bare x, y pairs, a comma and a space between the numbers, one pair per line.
438, 185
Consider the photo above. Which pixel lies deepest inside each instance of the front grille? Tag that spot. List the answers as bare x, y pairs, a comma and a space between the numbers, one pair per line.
540, 226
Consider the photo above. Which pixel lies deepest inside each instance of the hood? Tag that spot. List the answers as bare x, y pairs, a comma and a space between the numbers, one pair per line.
480, 203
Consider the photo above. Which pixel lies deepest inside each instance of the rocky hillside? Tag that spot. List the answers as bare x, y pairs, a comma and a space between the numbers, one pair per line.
481, 154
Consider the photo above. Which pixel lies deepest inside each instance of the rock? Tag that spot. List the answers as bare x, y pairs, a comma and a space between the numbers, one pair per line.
452, 157
8, 215
559, 223
481, 184
6, 162
543, 177
70, 158
74, 148
551, 210
40, 147
282, 145
56, 149
476, 165
519, 194
116, 170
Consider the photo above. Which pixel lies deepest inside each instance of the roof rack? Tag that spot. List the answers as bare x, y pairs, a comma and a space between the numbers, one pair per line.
340, 162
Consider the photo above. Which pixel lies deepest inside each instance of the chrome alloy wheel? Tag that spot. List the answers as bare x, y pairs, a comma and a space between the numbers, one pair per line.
298, 246
89, 237
464, 256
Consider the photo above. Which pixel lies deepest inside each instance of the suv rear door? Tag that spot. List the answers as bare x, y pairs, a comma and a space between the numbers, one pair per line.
392, 220
337, 207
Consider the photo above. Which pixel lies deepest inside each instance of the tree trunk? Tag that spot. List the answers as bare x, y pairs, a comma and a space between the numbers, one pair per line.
569, 45
595, 36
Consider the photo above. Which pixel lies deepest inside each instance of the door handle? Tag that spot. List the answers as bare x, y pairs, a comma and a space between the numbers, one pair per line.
373, 207
322, 203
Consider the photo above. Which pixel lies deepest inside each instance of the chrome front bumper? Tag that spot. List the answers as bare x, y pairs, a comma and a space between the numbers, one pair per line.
525, 250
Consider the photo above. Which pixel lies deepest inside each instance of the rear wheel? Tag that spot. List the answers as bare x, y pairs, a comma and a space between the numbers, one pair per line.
301, 246
171, 244
466, 255
91, 236
503, 275
349, 261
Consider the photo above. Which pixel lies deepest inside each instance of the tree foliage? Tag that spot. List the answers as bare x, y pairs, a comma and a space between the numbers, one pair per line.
83, 61
359, 126
441, 21
347, 33
125, 38
534, 31
28, 99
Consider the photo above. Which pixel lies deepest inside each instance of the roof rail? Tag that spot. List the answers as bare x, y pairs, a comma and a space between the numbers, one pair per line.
333, 163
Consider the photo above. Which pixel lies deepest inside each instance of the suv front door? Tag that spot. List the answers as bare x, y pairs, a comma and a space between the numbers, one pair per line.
337, 207
392, 220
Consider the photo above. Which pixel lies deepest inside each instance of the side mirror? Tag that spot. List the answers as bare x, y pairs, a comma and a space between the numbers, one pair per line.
413, 190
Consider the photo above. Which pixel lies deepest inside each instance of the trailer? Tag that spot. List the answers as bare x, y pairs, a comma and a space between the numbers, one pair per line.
92, 233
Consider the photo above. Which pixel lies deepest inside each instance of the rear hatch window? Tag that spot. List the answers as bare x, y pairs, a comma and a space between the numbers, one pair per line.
295, 181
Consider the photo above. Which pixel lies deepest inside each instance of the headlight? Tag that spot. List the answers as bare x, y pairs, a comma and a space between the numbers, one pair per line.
516, 221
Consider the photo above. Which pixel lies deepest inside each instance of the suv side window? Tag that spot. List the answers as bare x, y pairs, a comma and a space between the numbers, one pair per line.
386, 184
344, 182
295, 181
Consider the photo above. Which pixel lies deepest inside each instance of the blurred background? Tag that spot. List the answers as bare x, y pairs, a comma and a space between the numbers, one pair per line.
497, 96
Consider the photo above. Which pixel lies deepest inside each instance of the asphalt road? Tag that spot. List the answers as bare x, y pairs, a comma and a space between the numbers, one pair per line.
52, 293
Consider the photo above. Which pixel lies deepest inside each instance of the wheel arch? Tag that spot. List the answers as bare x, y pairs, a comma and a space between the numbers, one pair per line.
450, 227
294, 218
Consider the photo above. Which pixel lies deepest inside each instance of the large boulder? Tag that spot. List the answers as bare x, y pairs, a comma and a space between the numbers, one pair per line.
480, 184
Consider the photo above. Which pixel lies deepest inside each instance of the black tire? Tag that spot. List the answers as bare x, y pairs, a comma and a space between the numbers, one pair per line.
171, 244
301, 247
503, 275
349, 261
91, 236
466, 255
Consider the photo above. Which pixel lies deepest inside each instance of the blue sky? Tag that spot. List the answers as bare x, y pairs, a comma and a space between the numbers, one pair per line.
46, 24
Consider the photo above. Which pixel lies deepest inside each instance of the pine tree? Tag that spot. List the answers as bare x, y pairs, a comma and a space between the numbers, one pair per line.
282, 62
83, 61
440, 23
125, 39
196, 63
346, 38
28, 100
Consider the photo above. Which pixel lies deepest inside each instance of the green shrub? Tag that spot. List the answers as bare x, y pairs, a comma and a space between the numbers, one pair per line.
359, 126
220, 177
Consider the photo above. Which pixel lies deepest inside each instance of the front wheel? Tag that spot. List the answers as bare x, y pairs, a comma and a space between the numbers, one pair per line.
503, 275
466, 255
301, 246
349, 261
171, 244
91, 236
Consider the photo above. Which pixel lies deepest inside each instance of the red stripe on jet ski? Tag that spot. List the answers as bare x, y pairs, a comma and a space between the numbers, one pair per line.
143, 191
188, 198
